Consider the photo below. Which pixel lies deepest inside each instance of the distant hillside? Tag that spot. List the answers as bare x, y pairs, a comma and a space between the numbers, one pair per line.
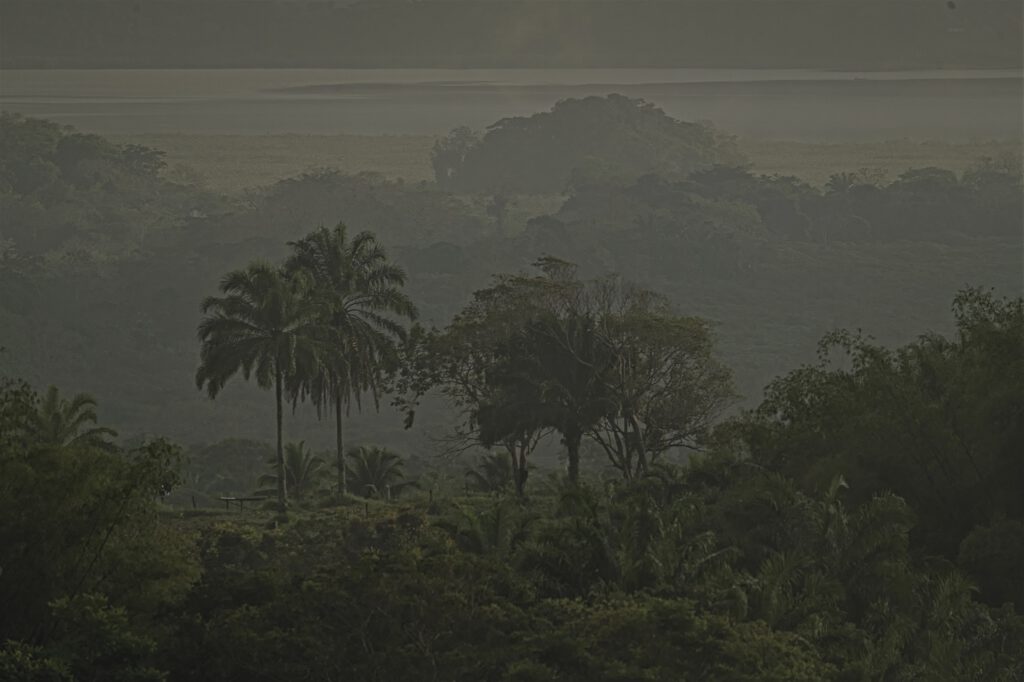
844, 34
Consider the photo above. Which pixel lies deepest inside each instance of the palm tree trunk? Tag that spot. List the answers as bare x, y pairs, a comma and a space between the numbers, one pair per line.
282, 486
342, 472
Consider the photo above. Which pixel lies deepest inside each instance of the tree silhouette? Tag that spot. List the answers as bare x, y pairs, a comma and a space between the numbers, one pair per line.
493, 474
358, 296
60, 422
376, 472
264, 326
303, 470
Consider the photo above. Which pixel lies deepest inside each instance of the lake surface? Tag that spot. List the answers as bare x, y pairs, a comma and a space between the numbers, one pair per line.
794, 104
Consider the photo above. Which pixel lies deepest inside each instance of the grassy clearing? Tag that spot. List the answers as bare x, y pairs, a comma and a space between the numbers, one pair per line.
815, 162
231, 163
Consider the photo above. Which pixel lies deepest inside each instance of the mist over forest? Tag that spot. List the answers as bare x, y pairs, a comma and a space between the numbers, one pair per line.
513, 341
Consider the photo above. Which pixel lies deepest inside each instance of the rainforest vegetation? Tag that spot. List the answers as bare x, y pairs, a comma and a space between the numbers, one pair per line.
863, 522
331, 429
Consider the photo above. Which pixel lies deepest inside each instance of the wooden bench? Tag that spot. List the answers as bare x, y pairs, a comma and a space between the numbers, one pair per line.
240, 500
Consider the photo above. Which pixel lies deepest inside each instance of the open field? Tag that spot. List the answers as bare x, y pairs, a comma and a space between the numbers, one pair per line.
791, 104
232, 163
815, 162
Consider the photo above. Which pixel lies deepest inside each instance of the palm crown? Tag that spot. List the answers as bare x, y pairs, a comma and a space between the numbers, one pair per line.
304, 471
265, 326
376, 472
62, 423
358, 298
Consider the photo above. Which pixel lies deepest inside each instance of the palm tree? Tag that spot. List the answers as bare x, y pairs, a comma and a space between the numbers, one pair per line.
498, 530
493, 473
263, 326
359, 296
303, 470
376, 472
59, 422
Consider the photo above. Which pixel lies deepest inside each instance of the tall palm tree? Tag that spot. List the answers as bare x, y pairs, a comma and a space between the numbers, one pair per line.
359, 298
62, 423
303, 470
264, 326
376, 471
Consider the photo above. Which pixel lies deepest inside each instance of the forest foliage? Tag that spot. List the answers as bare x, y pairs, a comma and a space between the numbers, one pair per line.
818, 536
772, 261
577, 140
624, 520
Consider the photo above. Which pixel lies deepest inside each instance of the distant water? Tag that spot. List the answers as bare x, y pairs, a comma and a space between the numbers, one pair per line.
796, 104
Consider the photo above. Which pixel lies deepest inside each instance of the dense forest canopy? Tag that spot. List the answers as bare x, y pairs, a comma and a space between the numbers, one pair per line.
556, 415
119, 254
792, 549
66, 192
548, 353
577, 141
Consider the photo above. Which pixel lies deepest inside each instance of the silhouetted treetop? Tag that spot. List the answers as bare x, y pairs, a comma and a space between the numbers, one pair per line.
578, 141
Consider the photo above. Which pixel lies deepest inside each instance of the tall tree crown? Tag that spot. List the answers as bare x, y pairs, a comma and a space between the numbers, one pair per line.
264, 323
360, 303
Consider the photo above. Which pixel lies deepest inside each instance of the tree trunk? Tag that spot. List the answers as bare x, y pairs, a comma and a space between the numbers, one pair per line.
519, 472
282, 485
521, 476
339, 442
572, 446
641, 450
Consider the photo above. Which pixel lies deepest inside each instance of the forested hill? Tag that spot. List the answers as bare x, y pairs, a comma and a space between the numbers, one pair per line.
106, 253
875, 34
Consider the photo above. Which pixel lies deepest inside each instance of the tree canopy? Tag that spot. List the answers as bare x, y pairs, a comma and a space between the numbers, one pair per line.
861, 523
579, 140
599, 359
937, 421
